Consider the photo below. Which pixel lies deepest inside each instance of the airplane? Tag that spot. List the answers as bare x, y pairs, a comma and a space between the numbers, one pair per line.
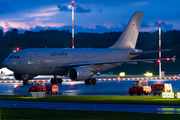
78, 63
6, 73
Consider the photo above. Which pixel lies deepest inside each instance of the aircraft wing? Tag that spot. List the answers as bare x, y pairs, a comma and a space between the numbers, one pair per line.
110, 62
147, 52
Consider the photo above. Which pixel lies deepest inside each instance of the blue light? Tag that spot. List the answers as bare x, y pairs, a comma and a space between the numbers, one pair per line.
98, 73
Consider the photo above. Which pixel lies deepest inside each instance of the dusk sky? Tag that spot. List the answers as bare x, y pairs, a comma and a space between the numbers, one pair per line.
90, 15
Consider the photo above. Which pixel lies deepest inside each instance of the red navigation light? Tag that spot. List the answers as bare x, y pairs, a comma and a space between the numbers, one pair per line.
17, 49
167, 59
159, 22
159, 61
72, 1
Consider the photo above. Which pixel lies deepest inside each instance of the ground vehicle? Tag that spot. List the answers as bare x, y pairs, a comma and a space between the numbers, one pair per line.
52, 89
39, 86
159, 88
140, 87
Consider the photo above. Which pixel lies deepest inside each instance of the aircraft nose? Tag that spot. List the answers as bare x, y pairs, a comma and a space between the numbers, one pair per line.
6, 63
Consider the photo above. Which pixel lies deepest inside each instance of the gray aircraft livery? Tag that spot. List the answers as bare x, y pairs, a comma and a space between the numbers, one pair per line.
78, 64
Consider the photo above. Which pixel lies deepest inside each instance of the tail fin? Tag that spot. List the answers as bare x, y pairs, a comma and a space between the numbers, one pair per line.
129, 37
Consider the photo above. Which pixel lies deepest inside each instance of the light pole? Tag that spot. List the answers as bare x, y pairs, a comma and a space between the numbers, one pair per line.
160, 50
73, 24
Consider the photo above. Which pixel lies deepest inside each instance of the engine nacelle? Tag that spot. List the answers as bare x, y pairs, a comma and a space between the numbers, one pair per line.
20, 76
80, 73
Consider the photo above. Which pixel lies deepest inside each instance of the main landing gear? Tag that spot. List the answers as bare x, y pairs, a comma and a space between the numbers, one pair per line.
56, 80
25, 80
90, 81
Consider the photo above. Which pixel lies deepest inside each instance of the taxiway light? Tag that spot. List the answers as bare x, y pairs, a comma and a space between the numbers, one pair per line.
98, 73
148, 74
122, 74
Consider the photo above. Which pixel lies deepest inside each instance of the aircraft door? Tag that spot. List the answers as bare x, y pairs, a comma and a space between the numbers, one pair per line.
30, 58
69, 59
115, 55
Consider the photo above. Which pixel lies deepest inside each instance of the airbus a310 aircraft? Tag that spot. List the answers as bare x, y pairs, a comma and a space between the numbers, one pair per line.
78, 64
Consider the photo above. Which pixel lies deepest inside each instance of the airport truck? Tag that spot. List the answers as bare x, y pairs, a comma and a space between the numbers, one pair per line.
140, 87
52, 89
159, 88
39, 86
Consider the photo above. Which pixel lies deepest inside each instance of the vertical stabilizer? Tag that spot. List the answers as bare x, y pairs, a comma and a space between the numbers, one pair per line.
130, 34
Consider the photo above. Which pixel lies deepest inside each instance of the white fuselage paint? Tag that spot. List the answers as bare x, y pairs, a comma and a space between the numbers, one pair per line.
45, 61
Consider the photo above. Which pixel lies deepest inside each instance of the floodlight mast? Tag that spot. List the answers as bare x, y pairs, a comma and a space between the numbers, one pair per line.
73, 24
160, 77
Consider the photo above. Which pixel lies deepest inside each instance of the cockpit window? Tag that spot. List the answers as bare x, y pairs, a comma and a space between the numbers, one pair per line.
14, 57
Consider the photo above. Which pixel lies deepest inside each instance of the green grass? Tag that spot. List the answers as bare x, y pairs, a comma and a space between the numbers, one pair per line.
156, 100
26, 113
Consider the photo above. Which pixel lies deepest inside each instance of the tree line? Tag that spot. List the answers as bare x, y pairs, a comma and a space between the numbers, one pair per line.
62, 39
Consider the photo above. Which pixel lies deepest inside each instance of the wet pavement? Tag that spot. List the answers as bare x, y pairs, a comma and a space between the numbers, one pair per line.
79, 88
161, 109
117, 88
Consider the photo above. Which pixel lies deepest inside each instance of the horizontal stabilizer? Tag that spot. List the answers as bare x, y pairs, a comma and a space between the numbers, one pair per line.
147, 52
131, 62
148, 61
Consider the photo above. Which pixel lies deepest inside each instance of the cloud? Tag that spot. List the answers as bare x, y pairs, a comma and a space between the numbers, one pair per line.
78, 9
165, 27
82, 10
97, 29
64, 8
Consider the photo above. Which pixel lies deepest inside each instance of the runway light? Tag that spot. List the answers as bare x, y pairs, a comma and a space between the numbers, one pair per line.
148, 74
122, 74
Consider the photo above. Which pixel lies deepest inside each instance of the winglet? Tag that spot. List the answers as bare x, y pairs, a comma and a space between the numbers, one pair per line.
173, 58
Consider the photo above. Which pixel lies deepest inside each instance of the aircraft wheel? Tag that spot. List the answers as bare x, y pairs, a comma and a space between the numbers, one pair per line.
138, 93
52, 80
94, 80
25, 82
56, 81
131, 93
59, 80
86, 82
90, 81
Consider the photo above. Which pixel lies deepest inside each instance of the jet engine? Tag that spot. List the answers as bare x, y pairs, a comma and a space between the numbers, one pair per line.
80, 73
20, 76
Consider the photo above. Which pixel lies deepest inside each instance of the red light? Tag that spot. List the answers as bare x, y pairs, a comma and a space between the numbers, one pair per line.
159, 22
159, 61
167, 59
72, 1
17, 49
